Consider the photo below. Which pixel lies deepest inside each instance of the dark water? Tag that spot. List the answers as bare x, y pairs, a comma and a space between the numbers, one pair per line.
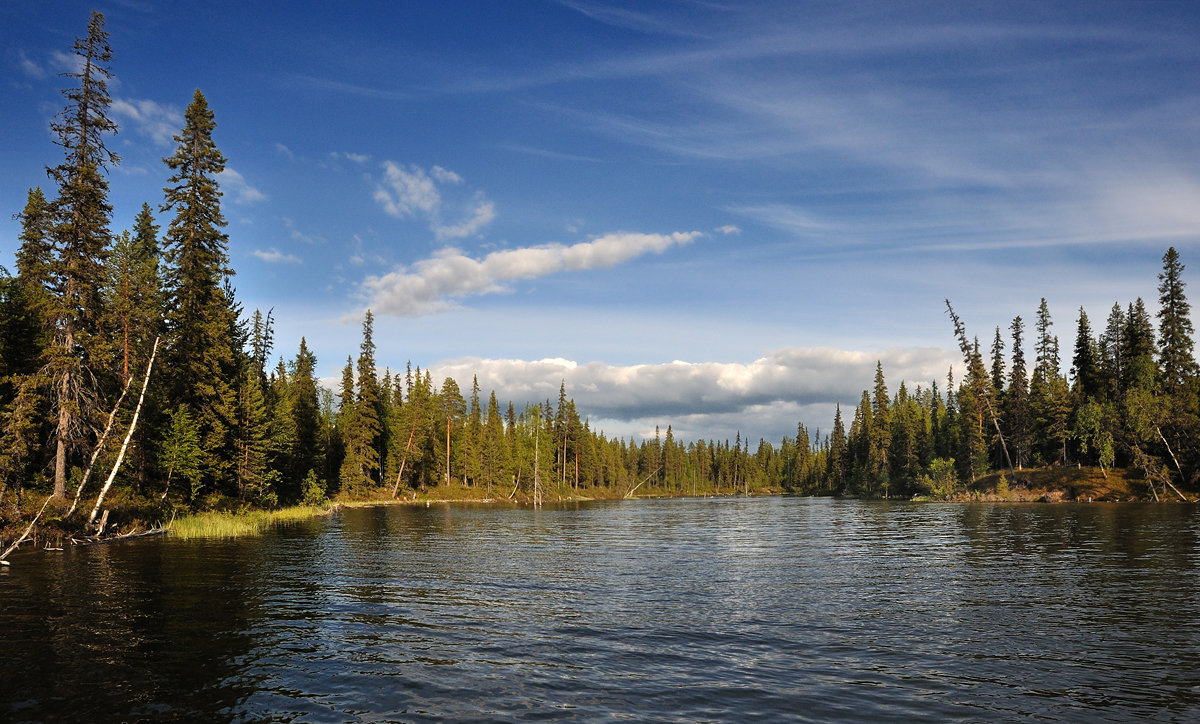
735, 609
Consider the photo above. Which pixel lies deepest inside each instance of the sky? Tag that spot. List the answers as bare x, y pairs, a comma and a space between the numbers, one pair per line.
715, 216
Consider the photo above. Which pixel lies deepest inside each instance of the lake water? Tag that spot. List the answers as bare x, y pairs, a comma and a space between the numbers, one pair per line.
673, 610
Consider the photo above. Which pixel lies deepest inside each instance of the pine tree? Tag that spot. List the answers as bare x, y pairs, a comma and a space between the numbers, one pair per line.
360, 469
308, 452
1112, 356
1137, 345
81, 214
203, 349
35, 255
1016, 407
1085, 366
1176, 363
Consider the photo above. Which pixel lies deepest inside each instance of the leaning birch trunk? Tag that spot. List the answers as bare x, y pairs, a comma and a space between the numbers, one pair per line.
404, 460
128, 436
24, 535
99, 446
1174, 460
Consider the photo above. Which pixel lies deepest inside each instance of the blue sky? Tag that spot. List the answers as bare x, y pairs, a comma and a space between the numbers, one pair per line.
714, 215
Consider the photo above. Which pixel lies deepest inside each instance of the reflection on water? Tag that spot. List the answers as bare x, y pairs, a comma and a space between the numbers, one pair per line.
689, 609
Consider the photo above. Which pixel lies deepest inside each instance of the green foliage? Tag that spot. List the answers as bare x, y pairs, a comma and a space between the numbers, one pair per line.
312, 490
941, 480
181, 452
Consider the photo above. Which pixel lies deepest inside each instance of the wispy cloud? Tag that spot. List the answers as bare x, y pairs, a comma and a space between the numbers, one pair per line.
411, 192
158, 122
30, 68
274, 256
434, 284
237, 187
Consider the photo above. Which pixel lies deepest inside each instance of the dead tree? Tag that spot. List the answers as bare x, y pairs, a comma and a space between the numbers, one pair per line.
128, 436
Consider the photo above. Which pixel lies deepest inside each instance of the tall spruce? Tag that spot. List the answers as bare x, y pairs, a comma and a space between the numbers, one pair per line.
81, 214
1085, 364
1176, 363
360, 469
1016, 399
202, 354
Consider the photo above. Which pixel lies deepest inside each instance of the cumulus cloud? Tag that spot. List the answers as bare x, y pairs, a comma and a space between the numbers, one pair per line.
156, 121
763, 398
274, 256
234, 184
411, 192
406, 191
433, 285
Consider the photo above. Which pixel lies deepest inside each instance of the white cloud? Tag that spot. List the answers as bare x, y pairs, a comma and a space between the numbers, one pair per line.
359, 158
274, 256
410, 192
432, 285
404, 192
485, 212
445, 176
154, 120
284, 151
235, 184
727, 229
765, 397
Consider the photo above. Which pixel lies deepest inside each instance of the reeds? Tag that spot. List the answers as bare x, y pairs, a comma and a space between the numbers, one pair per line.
222, 524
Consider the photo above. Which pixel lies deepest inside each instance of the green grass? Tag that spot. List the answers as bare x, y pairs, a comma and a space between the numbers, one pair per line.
221, 524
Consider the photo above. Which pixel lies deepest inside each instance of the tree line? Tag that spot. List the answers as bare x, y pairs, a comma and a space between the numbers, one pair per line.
221, 425
1131, 400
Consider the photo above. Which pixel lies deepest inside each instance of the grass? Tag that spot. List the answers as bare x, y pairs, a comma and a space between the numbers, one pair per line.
224, 524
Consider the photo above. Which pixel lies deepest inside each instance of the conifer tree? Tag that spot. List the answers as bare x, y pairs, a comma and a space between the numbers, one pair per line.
81, 215
35, 255
360, 468
1085, 367
309, 446
1137, 345
1176, 363
1112, 357
1016, 400
203, 352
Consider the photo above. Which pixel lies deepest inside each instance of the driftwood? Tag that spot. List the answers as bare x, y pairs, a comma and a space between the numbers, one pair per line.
128, 435
25, 535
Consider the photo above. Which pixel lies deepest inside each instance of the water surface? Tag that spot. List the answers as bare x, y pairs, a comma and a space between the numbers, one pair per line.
729, 609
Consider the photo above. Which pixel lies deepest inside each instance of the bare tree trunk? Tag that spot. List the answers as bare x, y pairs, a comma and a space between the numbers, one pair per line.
128, 435
1174, 460
25, 535
99, 446
404, 459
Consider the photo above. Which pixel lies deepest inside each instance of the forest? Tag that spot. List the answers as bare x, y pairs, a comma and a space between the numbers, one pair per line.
129, 368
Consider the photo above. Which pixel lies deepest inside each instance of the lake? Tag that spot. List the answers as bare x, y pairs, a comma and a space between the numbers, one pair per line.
734, 609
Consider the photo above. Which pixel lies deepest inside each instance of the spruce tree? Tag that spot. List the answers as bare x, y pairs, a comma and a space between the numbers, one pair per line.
203, 352
1016, 400
1085, 366
1176, 363
81, 215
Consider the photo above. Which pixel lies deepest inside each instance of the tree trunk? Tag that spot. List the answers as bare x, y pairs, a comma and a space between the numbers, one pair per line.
99, 446
128, 435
